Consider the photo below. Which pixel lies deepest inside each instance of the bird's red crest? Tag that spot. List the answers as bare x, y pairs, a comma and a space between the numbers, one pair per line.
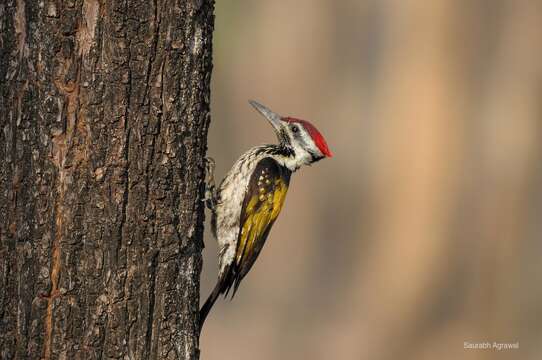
314, 133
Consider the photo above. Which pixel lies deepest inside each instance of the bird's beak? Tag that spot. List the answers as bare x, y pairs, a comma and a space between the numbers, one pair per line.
272, 117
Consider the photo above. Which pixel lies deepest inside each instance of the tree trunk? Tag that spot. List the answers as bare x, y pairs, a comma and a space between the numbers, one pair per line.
104, 113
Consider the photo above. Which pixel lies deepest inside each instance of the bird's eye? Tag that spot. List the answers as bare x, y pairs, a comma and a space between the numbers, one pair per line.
294, 128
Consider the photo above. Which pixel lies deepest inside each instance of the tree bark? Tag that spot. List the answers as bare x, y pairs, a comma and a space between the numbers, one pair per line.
104, 113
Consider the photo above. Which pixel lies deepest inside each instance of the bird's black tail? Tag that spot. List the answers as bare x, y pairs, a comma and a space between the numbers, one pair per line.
209, 304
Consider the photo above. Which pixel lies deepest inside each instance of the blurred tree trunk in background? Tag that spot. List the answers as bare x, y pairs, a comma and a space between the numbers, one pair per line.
417, 179
103, 123
453, 208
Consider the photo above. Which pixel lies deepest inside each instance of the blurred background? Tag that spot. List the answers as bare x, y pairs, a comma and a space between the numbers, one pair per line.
424, 230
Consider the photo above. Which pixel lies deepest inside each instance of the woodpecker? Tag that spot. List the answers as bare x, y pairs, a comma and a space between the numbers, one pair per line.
250, 198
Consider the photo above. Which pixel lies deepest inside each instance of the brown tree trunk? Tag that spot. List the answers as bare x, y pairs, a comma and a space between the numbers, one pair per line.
104, 112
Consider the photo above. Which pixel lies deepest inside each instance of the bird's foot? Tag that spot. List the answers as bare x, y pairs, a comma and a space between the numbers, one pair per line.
210, 187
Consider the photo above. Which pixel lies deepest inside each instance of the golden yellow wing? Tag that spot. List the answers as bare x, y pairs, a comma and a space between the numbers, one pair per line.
262, 204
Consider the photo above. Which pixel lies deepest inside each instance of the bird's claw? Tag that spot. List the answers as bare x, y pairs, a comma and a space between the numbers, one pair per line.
210, 187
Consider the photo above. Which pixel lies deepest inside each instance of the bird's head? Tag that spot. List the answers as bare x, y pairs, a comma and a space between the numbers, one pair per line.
302, 141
